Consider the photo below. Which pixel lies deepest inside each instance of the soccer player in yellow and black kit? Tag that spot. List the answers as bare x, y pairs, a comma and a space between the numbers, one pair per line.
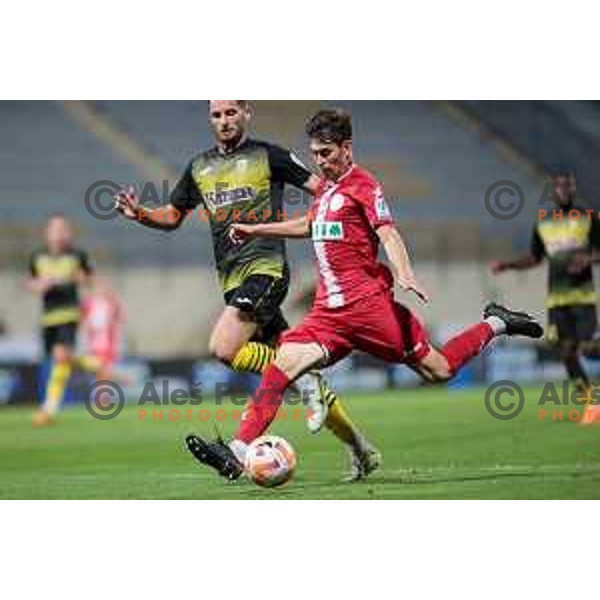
242, 179
568, 238
56, 272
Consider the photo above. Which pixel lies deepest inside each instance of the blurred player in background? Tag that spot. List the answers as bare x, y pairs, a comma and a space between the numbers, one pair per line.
354, 308
56, 273
103, 319
239, 177
570, 246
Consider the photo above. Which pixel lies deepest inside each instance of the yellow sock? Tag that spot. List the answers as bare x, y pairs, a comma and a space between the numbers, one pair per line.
340, 424
254, 357
57, 383
89, 364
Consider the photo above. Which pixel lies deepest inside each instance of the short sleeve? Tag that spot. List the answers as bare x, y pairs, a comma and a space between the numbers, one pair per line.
375, 205
286, 167
537, 246
85, 263
186, 195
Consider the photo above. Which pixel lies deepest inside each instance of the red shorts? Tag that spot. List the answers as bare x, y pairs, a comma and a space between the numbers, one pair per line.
377, 325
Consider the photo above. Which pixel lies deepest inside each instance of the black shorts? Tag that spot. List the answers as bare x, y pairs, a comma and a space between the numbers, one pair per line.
65, 335
262, 296
577, 323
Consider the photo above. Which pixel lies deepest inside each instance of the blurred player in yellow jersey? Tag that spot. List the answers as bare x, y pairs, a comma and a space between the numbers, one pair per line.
56, 273
241, 178
568, 239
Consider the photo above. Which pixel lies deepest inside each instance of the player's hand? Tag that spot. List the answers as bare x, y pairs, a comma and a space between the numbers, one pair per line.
579, 264
239, 233
497, 267
412, 285
127, 202
43, 283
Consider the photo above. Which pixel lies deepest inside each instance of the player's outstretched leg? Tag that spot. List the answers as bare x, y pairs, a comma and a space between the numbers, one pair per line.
442, 365
60, 373
516, 323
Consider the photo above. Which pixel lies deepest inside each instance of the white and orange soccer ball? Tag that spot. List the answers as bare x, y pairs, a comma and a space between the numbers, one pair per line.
270, 461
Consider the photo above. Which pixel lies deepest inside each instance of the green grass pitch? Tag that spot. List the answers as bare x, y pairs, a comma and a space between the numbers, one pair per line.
436, 444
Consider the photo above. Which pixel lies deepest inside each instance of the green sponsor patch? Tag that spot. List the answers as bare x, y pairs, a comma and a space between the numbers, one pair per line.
328, 230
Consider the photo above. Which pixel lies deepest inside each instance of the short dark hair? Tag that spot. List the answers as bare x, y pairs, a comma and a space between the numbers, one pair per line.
330, 125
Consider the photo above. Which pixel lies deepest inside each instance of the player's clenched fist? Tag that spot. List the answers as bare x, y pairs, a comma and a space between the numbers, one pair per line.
239, 233
127, 202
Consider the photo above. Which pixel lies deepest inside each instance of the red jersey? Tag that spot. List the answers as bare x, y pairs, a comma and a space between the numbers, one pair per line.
345, 217
102, 317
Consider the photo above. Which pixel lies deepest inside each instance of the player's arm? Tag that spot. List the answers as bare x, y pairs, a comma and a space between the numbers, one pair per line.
287, 169
583, 260
398, 257
85, 272
185, 197
528, 260
37, 283
375, 207
293, 228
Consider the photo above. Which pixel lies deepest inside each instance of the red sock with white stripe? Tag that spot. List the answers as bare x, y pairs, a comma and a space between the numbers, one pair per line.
468, 344
264, 406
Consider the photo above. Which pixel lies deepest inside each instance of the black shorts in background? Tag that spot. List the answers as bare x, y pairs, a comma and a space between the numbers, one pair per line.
577, 323
65, 335
262, 296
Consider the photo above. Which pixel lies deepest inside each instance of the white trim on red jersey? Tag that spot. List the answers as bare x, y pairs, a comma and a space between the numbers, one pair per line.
335, 295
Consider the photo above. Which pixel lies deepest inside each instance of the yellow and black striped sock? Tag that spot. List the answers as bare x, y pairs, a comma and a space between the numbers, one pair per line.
340, 424
254, 357
57, 383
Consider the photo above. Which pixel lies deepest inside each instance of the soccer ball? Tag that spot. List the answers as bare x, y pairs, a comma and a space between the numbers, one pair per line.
270, 461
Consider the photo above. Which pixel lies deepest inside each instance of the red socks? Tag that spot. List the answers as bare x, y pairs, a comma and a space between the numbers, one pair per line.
264, 406
466, 345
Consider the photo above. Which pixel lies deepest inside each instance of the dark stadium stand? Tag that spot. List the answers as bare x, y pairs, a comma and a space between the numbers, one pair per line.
551, 134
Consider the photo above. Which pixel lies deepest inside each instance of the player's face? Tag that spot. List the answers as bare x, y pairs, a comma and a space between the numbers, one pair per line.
565, 188
58, 234
332, 159
228, 119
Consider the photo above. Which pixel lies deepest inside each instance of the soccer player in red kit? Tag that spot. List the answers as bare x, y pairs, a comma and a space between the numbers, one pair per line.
103, 319
354, 308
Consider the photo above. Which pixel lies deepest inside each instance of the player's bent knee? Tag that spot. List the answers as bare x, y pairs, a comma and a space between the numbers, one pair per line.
62, 354
222, 351
296, 359
435, 368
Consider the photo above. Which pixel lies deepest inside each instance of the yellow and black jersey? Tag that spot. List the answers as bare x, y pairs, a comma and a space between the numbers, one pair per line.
560, 241
245, 185
61, 301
